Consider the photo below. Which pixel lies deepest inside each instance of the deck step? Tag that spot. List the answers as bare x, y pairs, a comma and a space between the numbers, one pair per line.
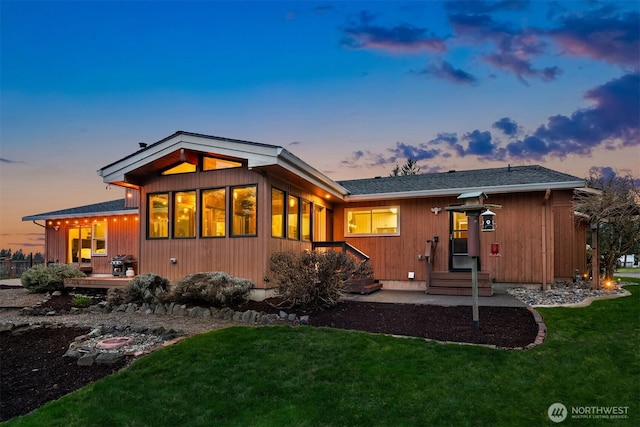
363, 287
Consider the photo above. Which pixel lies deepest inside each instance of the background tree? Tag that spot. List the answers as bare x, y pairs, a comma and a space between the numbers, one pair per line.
409, 168
615, 209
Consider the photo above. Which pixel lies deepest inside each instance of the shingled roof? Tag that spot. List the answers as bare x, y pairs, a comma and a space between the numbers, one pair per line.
496, 180
113, 207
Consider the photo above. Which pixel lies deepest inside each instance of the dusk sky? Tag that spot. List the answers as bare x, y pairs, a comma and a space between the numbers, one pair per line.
352, 88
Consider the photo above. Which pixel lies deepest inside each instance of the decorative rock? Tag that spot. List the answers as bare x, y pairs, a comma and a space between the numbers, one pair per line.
4, 327
95, 332
283, 314
249, 316
560, 294
87, 359
291, 317
304, 320
179, 310
160, 309
199, 312
56, 293
51, 313
131, 308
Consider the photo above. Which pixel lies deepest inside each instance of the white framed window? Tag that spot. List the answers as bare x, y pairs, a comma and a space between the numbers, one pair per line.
374, 221
99, 238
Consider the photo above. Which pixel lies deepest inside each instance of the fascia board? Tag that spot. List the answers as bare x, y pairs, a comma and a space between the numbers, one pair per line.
500, 189
256, 155
293, 164
79, 215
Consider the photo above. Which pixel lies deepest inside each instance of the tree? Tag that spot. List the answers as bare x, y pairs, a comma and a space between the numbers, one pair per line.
409, 168
612, 203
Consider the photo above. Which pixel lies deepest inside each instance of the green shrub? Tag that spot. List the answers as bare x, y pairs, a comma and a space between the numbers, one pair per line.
82, 301
43, 278
150, 288
216, 289
314, 280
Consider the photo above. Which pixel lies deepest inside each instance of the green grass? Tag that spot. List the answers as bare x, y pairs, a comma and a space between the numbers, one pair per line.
303, 376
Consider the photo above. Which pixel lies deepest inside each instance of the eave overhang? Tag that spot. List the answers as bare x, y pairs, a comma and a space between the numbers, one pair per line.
45, 217
257, 156
445, 192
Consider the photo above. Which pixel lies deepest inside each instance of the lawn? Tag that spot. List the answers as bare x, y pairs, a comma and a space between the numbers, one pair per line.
304, 376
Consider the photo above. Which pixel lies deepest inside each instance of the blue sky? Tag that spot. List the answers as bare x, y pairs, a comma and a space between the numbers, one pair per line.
352, 88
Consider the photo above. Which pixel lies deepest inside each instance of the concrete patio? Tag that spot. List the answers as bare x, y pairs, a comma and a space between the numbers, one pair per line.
420, 297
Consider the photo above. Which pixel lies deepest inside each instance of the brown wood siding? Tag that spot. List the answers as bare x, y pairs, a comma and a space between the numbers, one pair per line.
122, 238
570, 241
239, 256
394, 256
131, 198
519, 232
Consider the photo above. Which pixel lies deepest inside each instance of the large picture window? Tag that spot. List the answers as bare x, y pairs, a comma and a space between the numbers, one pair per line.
184, 214
378, 221
277, 213
243, 207
158, 216
214, 213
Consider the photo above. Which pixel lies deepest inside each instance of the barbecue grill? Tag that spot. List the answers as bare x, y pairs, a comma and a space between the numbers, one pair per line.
120, 263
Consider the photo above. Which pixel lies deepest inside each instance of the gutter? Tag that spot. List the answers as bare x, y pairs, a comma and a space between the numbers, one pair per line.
34, 218
294, 164
516, 188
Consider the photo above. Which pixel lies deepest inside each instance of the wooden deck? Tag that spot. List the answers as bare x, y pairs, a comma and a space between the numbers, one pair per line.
364, 286
458, 283
97, 282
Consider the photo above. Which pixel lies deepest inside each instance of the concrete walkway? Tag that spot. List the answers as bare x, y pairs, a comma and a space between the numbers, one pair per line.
420, 297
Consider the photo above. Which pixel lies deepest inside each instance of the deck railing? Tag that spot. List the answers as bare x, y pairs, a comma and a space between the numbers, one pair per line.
344, 246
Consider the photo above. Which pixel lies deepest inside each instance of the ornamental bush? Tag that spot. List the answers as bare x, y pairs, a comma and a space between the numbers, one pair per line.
42, 278
215, 289
150, 288
314, 280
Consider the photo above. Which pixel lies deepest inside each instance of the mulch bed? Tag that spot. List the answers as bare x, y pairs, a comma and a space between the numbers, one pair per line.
34, 370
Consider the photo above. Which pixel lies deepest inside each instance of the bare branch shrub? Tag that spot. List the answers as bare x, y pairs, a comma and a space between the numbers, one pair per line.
313, 280
612, 204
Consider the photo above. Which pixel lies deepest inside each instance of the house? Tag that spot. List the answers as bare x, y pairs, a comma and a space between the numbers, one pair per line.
203, 203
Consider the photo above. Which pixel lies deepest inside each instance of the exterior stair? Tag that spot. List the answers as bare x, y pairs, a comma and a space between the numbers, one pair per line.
458, 283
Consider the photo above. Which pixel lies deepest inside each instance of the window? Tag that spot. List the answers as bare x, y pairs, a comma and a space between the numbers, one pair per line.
184, 214
243, 208
379, 221
277, 213
183, 167
99, 238
211, 163
293, 215
306, 220
213, 212
158, 216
